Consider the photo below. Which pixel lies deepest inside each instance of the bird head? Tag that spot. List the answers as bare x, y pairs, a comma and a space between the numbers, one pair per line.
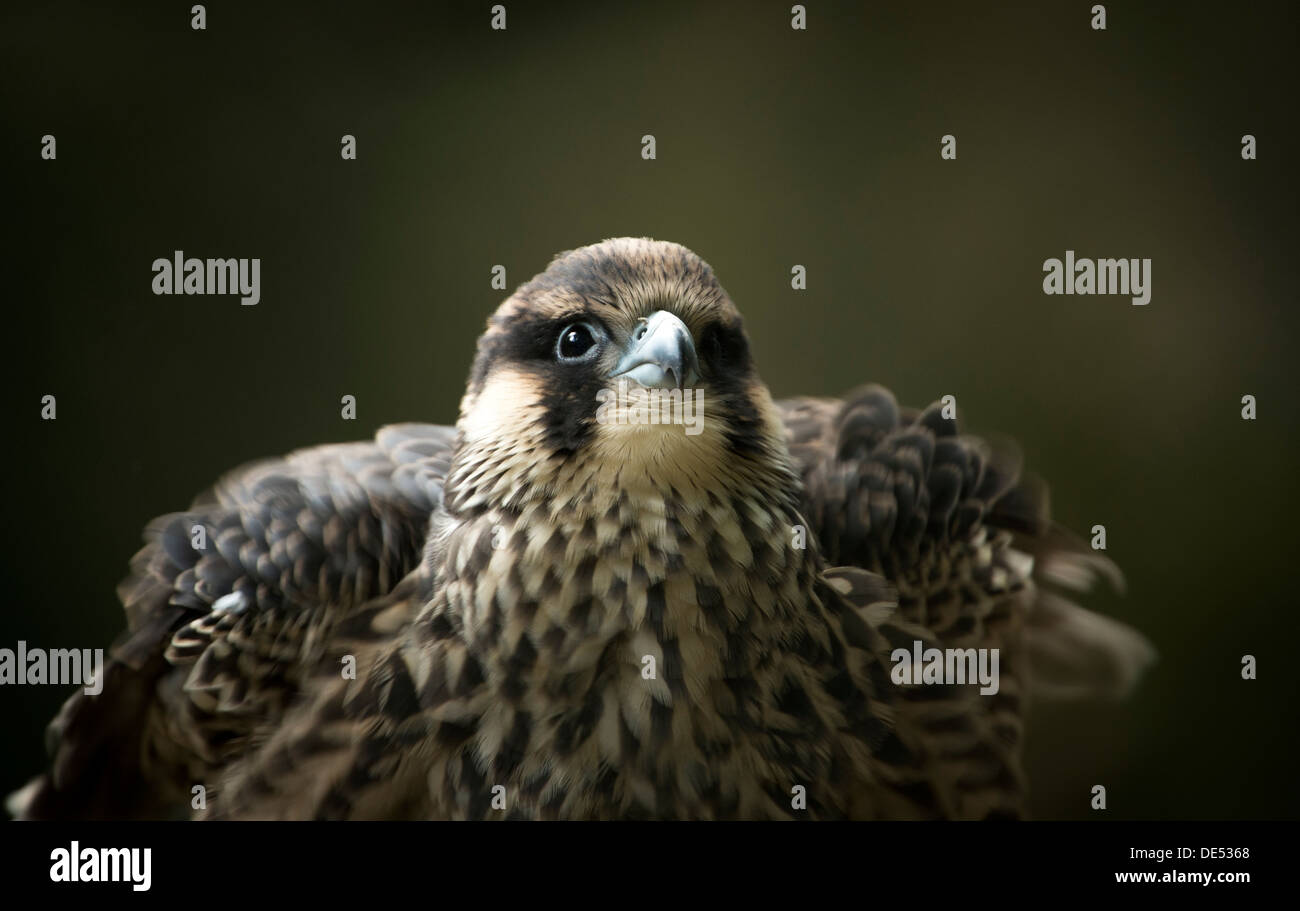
623, 366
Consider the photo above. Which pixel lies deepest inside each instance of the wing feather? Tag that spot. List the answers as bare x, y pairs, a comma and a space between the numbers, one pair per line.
964, 536
220, 638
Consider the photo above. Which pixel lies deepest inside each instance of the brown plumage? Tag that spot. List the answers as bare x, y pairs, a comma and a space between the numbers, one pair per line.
505, 592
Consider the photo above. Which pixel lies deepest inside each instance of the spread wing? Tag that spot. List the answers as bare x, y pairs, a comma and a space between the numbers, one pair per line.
967, 542
370, 745
953, 522
228, 606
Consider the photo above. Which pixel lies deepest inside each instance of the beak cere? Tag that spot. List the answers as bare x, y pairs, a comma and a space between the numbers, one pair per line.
660, 354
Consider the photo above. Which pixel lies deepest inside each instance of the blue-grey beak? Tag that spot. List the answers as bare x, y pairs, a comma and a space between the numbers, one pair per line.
660, 354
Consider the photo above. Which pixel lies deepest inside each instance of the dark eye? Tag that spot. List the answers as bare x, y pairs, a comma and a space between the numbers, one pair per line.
577, 342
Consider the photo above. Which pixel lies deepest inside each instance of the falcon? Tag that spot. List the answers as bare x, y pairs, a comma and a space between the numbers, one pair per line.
557, 610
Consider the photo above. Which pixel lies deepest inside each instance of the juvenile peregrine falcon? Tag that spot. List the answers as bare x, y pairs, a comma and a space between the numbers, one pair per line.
558, 612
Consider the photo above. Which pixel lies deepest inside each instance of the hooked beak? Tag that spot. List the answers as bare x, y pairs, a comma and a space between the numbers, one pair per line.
660, 354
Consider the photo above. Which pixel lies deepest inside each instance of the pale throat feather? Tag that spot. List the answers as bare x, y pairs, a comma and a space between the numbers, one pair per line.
672, 548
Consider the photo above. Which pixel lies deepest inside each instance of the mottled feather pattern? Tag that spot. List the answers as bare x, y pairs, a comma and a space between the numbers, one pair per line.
218, 640
502, 587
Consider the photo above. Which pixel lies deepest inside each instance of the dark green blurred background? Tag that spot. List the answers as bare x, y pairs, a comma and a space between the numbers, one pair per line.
775, 147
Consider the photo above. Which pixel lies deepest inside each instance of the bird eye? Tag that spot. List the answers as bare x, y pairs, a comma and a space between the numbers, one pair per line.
576, 342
